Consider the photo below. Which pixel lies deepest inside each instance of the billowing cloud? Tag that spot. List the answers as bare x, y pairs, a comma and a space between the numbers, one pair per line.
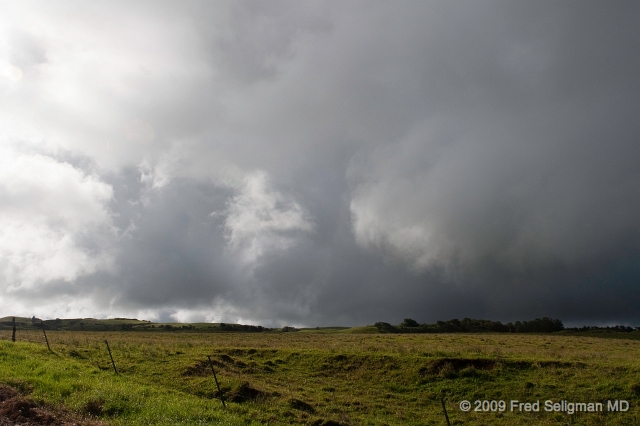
480, 194
260, 219
55, 222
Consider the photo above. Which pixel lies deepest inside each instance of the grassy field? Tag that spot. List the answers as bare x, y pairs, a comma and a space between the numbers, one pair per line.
324, 377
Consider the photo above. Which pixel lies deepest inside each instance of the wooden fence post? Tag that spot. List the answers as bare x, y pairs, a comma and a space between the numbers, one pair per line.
446, 416
13, 335
216, 379
45, 336
112, 363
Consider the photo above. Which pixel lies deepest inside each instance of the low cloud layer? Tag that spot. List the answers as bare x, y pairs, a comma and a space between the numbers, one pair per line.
320, 163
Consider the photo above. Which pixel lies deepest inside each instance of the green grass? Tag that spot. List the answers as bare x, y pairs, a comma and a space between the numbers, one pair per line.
317, 376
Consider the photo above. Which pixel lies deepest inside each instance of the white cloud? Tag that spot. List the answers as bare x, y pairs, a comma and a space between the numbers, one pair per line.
54, 220
110, 86
260, 219
386, 218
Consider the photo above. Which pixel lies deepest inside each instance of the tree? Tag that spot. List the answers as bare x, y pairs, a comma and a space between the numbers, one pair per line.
408, 322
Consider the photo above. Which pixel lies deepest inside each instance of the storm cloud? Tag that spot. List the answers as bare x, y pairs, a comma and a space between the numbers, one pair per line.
318, 163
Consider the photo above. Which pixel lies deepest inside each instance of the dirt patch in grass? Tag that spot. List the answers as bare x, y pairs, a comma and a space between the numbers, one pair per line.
202, 368
346, 363
323, 422
15, 409
301, 405
226, 358
449, 367
245, 393
558, 364
94, 407
7, 393
455, 365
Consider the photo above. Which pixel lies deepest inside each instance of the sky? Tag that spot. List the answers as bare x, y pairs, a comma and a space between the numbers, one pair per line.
320, 163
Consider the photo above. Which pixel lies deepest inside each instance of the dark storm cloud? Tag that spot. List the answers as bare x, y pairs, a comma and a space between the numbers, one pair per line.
185, 246
329, 162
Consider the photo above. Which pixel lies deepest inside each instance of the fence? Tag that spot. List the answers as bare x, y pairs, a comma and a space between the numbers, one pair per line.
34, 331
22, 331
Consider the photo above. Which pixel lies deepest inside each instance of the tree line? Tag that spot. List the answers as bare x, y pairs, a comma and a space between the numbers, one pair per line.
610, 329
468, 325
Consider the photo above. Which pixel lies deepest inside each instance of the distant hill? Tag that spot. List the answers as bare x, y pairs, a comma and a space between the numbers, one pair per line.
124, 324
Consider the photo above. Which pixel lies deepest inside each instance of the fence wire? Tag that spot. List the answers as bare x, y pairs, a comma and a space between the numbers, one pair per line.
24, 333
